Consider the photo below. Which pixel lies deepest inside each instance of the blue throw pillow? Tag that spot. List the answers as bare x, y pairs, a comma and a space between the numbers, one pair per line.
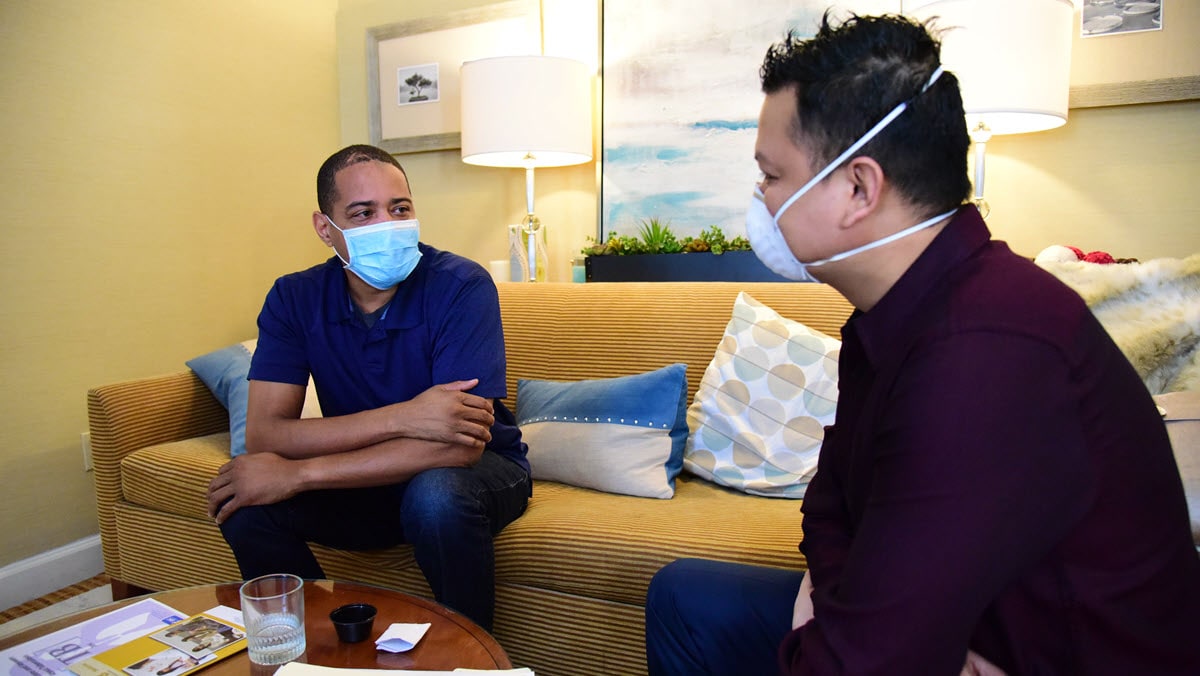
224, 372
618, 435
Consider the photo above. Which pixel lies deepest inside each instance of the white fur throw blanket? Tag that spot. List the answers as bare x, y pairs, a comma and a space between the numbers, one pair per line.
1151, 310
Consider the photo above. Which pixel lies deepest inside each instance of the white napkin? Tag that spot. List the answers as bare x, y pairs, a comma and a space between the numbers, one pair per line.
401, 637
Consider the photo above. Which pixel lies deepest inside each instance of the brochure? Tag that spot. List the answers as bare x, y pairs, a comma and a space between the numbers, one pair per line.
177, 649
55, 652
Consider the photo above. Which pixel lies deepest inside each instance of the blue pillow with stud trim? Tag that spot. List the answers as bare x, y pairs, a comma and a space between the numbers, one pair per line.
619, 435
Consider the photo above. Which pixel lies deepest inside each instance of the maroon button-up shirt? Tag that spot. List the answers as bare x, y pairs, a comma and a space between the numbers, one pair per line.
999, 479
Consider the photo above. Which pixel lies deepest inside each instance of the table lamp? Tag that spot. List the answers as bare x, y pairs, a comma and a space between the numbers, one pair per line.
1013, 63
527, 112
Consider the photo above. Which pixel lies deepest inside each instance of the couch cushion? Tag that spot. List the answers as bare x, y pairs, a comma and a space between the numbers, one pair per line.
584, 542
174, 477
620, 435
571, 540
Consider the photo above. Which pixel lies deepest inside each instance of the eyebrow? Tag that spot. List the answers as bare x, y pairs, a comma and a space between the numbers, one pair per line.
371, 203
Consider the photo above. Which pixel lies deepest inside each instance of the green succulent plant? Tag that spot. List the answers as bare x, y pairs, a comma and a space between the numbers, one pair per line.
655, 236
658, 238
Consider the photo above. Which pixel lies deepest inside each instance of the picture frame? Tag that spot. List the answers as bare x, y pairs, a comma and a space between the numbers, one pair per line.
427, 54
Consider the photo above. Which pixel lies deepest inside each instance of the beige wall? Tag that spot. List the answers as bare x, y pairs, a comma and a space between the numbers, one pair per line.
1120, 179
157, 171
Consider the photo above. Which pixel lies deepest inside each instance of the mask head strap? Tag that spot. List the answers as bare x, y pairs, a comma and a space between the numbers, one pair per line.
854, 147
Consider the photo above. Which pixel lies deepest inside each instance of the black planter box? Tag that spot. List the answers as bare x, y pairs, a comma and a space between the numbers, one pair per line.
731, 266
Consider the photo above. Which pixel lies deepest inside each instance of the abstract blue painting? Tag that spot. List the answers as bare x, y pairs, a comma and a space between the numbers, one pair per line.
680, 105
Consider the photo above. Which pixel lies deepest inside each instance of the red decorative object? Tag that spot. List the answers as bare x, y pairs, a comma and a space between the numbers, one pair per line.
1098, 257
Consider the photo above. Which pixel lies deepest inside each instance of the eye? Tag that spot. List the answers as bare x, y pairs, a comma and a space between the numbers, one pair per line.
360, 214
401, 210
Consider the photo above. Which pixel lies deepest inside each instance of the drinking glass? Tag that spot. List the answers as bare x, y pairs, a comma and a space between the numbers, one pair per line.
273, 609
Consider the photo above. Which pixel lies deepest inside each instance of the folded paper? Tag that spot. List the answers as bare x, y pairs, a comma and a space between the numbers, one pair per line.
401, 637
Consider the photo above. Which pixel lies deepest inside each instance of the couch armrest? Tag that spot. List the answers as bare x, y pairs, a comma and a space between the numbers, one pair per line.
126, 416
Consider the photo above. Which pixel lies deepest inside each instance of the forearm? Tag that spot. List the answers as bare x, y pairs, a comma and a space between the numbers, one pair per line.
390, 462
445, 413
296, 438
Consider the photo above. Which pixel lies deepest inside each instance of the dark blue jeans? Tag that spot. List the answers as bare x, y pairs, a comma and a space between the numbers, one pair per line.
448, 515
714, 617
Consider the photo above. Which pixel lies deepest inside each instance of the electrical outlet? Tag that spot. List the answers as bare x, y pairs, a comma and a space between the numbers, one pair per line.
86, 439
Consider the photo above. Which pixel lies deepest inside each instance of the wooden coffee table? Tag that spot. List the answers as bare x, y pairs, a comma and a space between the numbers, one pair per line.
452, 640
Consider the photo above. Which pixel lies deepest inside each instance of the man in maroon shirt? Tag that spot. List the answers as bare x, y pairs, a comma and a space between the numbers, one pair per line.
998, 492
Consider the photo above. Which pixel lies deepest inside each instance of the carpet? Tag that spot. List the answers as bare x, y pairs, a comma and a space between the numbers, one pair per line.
53, 597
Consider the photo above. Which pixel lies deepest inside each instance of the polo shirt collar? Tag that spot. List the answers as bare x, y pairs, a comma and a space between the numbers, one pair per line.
404, 311
885, 328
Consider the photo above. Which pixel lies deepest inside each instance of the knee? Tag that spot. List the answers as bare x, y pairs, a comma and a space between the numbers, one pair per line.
246, 526
440, 496
670, 584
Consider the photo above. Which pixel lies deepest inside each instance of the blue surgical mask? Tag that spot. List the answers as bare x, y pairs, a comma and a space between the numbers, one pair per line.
381, 254
762, 228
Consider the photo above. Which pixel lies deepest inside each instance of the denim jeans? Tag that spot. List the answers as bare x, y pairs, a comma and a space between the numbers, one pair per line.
715, 617
448, 515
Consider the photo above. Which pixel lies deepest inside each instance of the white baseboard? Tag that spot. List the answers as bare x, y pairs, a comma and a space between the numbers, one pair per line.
49, 571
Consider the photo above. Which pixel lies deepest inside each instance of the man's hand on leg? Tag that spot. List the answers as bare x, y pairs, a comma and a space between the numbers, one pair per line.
252, 479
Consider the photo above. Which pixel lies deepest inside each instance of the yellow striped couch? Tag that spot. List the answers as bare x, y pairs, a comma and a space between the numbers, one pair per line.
572, 572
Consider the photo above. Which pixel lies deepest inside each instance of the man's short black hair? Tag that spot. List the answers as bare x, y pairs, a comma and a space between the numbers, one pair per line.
849, 76
327, 186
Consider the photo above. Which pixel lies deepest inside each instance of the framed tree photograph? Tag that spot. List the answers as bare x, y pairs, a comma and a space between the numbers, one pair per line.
413, 70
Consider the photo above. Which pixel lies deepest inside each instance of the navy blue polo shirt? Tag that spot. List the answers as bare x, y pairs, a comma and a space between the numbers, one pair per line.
442, 325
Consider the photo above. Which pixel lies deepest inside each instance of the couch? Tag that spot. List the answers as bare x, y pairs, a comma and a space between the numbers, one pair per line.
572, 572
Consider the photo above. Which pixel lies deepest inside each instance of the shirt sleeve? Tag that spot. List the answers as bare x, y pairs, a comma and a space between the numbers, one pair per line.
280, 354
468, 338
978, 469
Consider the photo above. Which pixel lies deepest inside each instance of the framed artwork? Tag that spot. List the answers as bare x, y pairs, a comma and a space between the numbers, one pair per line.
413, 70
681, 96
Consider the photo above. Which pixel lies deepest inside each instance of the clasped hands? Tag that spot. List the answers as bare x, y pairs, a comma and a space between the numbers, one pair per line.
444, 414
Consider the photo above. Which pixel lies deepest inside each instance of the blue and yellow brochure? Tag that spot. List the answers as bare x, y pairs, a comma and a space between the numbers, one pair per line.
179, 648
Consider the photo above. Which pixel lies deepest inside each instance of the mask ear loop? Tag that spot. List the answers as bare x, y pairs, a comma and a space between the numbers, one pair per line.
335, 251
854, 147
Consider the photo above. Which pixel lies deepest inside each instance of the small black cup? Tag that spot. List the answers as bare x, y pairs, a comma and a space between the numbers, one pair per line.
353, 622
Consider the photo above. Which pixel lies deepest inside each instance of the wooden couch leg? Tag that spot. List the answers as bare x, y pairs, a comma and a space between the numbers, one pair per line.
124, 590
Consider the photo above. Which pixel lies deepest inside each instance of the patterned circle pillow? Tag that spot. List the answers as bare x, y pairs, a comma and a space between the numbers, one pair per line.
759, 415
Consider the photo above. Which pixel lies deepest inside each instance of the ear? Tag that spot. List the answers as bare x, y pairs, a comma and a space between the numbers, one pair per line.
867, 181
321, 226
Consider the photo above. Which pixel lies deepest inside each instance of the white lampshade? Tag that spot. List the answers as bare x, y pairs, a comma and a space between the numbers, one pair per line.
1012, 59
526, 111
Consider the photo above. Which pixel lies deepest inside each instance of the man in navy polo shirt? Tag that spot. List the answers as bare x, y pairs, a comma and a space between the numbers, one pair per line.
405, 347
